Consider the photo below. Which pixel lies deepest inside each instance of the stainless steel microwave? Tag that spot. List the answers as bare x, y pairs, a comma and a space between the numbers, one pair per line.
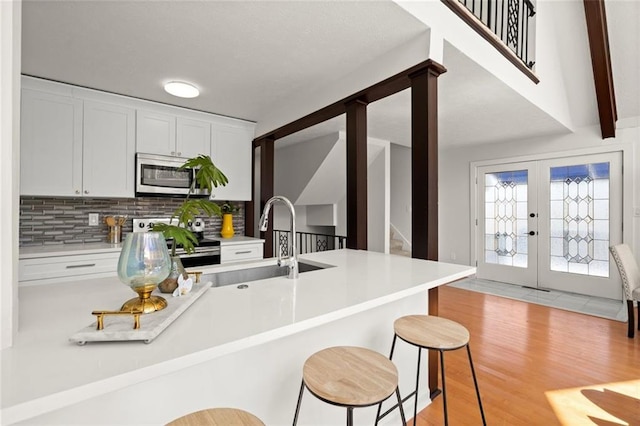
160, 175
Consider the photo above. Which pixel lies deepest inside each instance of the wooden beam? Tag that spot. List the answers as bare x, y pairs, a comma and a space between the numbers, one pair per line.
249, 206
424, 183
266, 189
357, 175
596, 17
387, 87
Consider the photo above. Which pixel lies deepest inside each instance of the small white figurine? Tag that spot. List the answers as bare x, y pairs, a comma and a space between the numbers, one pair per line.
184, 286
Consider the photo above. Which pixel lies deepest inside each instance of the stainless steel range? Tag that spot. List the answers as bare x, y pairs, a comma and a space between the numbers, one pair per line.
207, 251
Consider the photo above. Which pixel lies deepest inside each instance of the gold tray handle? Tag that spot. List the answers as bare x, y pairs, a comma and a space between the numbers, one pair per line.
101, 314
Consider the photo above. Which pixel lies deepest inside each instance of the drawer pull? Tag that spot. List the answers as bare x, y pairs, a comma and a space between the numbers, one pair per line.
86, 265
243, 252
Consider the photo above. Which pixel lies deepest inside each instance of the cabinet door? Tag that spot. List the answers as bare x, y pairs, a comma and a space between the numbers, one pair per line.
109, 150
193, 138
51, 144
155, 133
231, 151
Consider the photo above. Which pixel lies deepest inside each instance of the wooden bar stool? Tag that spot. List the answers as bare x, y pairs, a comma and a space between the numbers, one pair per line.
440, 334
349, 377
218, 417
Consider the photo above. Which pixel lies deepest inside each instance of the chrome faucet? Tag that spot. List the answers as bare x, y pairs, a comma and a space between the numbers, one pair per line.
292, 260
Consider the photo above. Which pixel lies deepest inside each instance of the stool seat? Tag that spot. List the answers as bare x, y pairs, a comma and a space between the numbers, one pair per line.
350, 376
218, 417
431, 332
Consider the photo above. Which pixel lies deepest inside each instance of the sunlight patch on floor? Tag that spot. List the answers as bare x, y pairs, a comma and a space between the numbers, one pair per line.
603, 404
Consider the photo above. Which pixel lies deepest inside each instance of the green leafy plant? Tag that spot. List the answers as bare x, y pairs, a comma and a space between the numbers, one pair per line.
208, 176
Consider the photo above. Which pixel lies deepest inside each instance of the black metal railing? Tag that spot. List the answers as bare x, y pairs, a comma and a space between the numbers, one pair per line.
307, 242
511, 20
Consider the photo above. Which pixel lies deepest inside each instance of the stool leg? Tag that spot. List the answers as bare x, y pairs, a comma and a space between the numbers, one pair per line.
295, 418
349, 416
444, 389
393, 346
404, 420
475, 382
415, 405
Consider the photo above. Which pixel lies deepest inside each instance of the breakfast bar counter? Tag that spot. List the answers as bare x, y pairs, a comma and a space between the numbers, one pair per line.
239, 347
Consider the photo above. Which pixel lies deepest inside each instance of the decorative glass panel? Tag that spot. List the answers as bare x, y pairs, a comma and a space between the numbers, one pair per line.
506, 218
580, 225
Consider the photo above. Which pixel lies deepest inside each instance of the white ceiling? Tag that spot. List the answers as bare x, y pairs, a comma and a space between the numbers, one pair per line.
248, 56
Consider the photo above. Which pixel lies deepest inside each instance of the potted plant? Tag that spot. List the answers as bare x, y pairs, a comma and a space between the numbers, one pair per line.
207, 176
227, 230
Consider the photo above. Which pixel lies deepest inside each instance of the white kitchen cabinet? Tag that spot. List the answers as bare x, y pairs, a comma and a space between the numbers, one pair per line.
155, 133
51, 144
231, 151
193, 137
108, 150
57, 269
239, 252
164, 133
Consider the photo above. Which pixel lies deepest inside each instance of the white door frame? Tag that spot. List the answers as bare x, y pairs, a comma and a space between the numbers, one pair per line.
627, 187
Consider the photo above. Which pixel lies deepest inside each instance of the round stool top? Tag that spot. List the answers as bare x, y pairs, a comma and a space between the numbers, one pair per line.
431, 332
218, 417
350, 376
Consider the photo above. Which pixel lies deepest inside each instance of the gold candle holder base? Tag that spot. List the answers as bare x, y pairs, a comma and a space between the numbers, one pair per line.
144, 302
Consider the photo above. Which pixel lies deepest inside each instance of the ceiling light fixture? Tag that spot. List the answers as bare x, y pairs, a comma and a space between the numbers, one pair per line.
181, 89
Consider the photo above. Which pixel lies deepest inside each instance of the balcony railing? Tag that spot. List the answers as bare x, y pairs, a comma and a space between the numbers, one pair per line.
307, 242
511, 20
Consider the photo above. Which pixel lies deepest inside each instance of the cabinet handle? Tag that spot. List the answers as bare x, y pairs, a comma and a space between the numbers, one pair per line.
173, 153
243, 252
86, 265
77, 192
86, 192
179, 153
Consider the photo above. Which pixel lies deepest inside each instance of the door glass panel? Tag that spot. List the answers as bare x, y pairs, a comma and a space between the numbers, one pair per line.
579, 219
506, 218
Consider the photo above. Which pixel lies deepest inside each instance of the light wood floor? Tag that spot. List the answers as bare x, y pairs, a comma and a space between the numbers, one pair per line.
537, 366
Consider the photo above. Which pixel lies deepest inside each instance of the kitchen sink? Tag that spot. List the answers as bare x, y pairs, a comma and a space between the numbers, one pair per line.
258, 273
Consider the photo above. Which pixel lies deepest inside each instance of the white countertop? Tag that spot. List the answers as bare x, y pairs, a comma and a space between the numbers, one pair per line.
43, 371
31, 252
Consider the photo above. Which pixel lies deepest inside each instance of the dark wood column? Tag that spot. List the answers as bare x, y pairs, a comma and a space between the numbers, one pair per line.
356, 175
424, 181
249, 206
266, 189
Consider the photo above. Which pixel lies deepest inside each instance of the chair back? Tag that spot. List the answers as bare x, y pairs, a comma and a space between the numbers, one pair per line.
628, 268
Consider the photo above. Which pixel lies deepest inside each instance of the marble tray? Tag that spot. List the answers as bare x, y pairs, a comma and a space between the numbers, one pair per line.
120, 328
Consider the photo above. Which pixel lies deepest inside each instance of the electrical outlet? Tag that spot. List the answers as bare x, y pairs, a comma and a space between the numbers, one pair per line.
636, 212
93, 219
453, 255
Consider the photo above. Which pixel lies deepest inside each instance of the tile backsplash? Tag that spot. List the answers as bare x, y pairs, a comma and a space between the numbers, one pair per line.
53, 220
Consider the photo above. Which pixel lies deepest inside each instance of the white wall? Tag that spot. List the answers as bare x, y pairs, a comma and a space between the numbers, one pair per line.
10, 36
401, 190
455, 207
378, 200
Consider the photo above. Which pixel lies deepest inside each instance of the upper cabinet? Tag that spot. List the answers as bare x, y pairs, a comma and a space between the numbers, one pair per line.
168, 134
75, 147
231, 151
82, 142
51, 144
108, 157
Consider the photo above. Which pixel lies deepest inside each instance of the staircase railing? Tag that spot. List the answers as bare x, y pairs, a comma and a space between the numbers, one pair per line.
307, 242
510, 20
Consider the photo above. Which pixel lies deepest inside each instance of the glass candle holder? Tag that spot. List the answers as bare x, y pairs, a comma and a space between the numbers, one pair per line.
144, 262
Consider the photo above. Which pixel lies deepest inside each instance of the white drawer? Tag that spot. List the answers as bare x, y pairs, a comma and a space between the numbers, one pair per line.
240, 252
58, 268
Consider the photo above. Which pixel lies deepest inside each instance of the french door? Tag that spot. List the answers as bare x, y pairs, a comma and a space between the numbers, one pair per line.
549, 223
